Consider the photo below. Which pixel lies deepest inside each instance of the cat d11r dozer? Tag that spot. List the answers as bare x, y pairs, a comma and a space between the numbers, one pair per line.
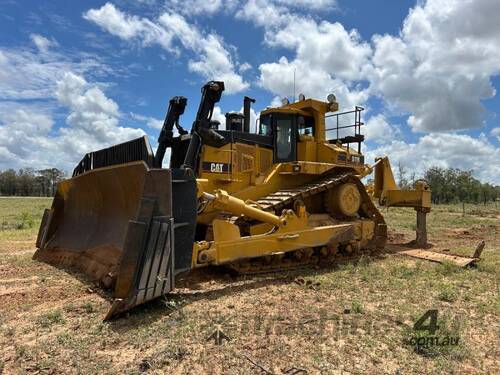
284, 196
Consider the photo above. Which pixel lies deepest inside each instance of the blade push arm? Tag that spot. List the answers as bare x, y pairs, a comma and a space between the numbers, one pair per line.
237, 206
176, 108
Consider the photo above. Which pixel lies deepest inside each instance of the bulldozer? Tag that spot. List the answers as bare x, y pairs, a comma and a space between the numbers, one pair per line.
287, 195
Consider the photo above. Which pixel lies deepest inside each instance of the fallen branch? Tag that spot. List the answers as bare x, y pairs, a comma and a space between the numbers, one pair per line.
266, 371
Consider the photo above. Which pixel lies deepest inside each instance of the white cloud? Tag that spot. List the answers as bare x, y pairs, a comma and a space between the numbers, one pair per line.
218, 115
192, 8
22, 120
378, 129
28, 74
327, 57
263, 13
322, 5
43, 44
22, 131
213, 58
28, 137
439, 68
199, 7
129, 27
276, 102
325, 46
273, 14
93, 116
36, 85
495, 132
151, 122
244, 67
278, 78
215, 61
445, 150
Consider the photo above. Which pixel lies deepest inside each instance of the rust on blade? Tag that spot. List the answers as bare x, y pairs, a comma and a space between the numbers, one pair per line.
115, 225
459, 260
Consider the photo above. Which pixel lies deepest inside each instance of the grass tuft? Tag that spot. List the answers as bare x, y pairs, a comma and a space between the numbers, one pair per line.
357, 307
22, 352
25, 221
163, 358
8, 331
448, 268
447, 293
51, 318
89, 308
21, 216
405, 272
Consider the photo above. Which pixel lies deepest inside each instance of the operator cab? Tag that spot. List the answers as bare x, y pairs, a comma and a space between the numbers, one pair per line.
286, 129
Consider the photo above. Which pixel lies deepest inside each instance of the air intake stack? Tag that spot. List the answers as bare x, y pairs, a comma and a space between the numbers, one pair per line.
234, 121
240, 121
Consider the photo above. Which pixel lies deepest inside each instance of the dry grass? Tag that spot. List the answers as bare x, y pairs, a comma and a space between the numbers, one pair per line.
355, 321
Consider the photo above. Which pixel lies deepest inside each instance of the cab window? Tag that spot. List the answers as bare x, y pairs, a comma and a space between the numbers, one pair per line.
265, 125
305, 125
284, 138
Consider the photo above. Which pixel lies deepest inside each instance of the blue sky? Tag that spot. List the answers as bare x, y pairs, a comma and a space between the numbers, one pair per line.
76, 76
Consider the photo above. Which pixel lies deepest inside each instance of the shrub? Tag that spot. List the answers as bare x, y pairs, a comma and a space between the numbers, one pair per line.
49, 319
447, 293
25, 221
357, 307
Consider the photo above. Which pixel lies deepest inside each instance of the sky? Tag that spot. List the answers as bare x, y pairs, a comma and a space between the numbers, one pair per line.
80, 76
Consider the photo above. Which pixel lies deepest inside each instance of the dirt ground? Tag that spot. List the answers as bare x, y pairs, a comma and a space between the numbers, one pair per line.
355, 317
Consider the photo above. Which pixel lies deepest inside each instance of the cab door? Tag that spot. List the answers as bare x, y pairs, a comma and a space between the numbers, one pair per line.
285, 137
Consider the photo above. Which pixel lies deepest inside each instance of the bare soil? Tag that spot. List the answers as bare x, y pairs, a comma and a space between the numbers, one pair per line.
352, 318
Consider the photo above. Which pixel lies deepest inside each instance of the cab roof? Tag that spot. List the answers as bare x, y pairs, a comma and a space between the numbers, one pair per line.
305, 107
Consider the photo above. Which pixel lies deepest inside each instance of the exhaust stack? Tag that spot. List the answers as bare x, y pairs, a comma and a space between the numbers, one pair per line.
247, 102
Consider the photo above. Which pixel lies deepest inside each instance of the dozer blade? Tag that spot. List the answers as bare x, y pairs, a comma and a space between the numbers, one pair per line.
117, 225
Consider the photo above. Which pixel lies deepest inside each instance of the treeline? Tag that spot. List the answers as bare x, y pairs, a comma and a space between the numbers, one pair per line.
30, 182
448, 185
451, 185
454, 185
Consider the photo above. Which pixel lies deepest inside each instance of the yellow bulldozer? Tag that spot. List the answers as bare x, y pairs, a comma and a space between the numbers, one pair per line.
287, 195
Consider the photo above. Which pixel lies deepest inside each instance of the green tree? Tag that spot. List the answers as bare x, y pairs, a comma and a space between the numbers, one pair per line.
28, 182
454, 185
25, 182
49, 180
8, 182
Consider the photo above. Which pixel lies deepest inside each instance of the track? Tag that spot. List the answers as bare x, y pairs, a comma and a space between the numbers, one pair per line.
285, 199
